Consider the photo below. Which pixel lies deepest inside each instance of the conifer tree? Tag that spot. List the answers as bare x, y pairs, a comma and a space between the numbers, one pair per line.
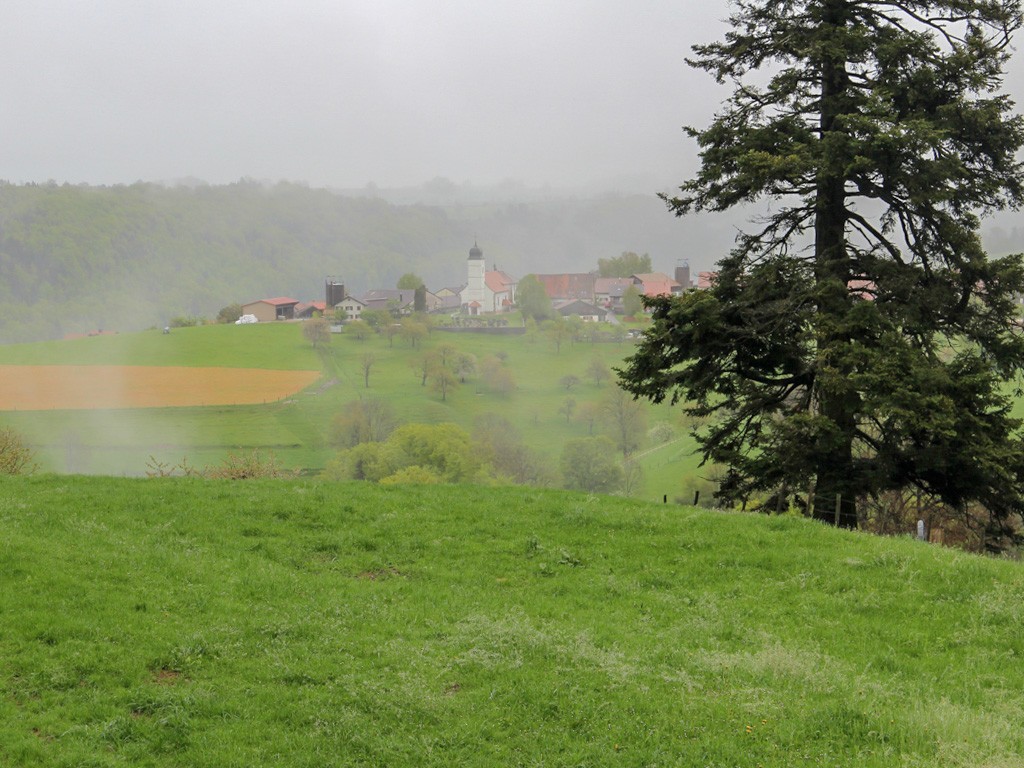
858, 338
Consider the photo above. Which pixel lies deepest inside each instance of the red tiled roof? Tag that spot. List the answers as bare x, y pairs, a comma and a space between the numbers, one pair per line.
656, 283
604, 285
568, 285
276, 302
498, 281
706, 279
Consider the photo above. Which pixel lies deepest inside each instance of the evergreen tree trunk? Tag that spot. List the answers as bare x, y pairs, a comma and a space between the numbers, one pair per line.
832, 273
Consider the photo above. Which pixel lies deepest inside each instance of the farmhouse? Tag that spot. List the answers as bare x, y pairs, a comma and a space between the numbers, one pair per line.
305, 310
451, 298
569, 285
585, 310
268, 310
351, 306
390, 299
656, 284
608, 291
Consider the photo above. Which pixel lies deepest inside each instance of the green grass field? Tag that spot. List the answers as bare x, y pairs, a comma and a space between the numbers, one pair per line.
174, 622
121, 442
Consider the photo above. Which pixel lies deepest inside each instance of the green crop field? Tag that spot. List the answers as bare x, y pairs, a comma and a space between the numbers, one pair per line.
297, 429
174, 622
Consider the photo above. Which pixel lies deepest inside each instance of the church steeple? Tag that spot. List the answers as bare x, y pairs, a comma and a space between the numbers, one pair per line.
474, 296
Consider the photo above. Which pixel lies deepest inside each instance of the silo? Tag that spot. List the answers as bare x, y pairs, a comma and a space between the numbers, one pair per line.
335, 293
683, 273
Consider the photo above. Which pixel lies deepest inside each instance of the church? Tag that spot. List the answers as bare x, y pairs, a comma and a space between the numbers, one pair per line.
486, 291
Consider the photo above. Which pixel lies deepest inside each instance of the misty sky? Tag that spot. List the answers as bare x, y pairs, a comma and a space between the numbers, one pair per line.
345, 92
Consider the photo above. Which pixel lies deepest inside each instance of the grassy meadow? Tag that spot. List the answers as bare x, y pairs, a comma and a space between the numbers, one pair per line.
170, 622
296, 429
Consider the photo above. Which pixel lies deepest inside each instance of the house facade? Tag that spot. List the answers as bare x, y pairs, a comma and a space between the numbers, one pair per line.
351, 306
608, 291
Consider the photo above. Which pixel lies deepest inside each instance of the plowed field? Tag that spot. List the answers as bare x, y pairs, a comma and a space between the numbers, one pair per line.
46, 387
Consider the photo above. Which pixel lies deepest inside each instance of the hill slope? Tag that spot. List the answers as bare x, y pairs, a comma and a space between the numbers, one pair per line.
185, 622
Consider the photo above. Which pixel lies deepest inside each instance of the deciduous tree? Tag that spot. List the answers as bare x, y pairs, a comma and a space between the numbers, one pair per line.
317, 332
366, 363
625, 265
358, 329
533, 300
569, 381
858, 338
589, 464
366, 420
598, 371
632, 302
624, 419
410, 281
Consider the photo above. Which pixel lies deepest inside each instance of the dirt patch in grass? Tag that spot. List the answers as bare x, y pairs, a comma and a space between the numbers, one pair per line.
80, 387
165, 676
382, 573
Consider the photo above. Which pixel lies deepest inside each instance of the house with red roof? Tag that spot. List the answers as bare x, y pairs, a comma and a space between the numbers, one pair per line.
706, 280
568, 285
307, 309
500, 291
656, 284
268, 310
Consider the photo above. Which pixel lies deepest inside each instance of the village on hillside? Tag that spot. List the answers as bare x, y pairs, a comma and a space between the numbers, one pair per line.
486, 292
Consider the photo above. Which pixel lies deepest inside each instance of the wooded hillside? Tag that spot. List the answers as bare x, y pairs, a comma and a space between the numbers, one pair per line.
80, 258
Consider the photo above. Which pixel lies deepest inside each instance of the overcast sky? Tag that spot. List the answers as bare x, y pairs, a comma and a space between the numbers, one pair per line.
346, 92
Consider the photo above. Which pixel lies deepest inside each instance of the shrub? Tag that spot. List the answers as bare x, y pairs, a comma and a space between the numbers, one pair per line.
230, 313
248, 466
185, 321
16, 458
661, 432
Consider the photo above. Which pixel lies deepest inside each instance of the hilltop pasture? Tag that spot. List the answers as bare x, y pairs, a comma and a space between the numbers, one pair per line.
297, 427
170, 622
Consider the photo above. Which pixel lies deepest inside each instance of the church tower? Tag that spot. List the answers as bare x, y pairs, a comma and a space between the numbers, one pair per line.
474, 296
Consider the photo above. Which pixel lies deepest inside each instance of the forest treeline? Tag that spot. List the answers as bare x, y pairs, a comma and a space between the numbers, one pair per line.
81, 258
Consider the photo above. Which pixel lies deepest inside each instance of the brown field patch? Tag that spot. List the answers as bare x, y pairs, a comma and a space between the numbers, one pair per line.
78, 387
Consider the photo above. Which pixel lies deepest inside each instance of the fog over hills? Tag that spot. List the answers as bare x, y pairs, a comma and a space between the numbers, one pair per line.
80, 258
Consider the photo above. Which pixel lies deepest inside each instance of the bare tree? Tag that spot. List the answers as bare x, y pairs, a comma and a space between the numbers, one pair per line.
567, 407
367, 363
624, 420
